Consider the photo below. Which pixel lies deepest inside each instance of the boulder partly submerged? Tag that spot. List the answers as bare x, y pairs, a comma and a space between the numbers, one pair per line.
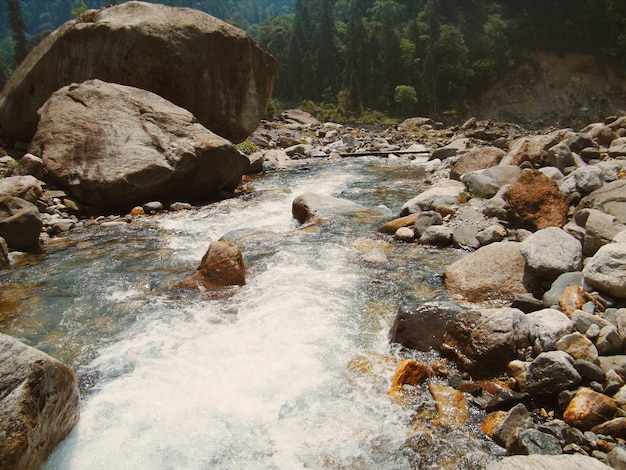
202, 64
39, 404
113, 147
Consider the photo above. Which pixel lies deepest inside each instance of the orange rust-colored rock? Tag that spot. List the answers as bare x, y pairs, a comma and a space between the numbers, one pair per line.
408, 372
588, 409
492, 421
536, 202
572, 299
451, 405
393, 225
221, 266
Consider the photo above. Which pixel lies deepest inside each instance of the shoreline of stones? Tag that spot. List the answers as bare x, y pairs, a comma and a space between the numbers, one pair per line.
540, 295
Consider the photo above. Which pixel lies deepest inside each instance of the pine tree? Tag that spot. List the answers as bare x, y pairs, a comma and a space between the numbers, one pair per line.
18, 27
326, 53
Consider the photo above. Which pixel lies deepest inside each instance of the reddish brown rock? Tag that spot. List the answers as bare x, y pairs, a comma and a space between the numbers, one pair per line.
573, 298
492, 421
451, 405
588, 409
408, 372
615, 427
221, 266
536, 202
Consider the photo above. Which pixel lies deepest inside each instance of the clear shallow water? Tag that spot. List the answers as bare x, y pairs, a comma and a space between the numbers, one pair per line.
291, 371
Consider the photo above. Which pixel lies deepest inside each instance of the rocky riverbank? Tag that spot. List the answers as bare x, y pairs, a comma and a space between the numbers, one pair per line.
536, 330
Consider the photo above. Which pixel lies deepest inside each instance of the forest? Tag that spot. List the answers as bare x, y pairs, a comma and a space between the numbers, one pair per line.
350, 58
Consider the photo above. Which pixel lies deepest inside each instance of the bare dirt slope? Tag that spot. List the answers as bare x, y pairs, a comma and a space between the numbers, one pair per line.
561, 91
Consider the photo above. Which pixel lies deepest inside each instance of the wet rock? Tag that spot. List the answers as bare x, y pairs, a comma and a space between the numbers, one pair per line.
536, 202
221, 266
533, 441
610, 199
123, 146
546, 327
20, 223
588, 409
392, 226
551, 252
548, 462
518, 418
443, 193
492, 421
607, 270
550, 372
493, 273
451, 405
130, 44
506, 399
477, 159
409, 372
422, 327
309, 205
28, 188
486, 183
484, 341
578, 346
39, 406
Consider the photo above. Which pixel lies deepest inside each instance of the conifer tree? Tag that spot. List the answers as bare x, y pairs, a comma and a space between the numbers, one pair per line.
18, 27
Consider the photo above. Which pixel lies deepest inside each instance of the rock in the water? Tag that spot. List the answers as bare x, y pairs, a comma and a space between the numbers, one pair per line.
536, 202
607, 270
393, 225
588, 409
221, 266
451, 405
493, 273
409, 372
155, 48
20, 223
309, 205
549, 462
39, 404
114, 147
444, 193
551, 252
484, 341
422, 327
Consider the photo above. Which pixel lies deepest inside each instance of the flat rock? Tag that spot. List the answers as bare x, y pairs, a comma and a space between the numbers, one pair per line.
443, 193
309, 205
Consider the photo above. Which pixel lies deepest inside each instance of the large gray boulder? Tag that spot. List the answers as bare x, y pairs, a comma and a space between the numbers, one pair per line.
494, 273
310, 205
486, 183
39, 404
607, 270
610, 198
551, 252
114, 146
202, 64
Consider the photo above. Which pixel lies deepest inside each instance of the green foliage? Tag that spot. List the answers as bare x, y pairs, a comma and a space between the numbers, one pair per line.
247, 148
405, 97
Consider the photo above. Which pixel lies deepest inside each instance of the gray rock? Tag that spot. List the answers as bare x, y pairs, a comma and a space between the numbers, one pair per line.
518, 418
436, 235
617, 458
486, 183
548, 462
443, 193
607, 270
609, 341
466, 236
131, 44
546, 327
27, 187
450, 150
123, 146
610, 198
551, 297
533, 441
422, 327
590, 371
39, 407
29, 164
484, 341
20, 223
550, 373
310, 205
600, 229
551, 252
154, 206
426, 219
492, 234
404, 234
560, 156
552, 172
587, 178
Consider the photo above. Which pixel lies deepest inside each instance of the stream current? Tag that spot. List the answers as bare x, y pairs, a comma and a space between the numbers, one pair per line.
290, 371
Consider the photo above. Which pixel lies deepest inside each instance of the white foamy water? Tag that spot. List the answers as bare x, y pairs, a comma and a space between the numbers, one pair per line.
259, 380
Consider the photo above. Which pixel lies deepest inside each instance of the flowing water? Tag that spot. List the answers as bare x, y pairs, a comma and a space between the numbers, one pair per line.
290, 371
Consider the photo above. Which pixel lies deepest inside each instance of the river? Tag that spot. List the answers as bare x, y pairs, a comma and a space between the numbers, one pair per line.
291, 371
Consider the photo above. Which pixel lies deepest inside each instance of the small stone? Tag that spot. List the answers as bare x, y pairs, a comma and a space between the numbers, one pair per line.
550, 373
180, 206
409, 372
451, 405
404, 234
578, 346
152, 207
138, 210
533, 441
517, 418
